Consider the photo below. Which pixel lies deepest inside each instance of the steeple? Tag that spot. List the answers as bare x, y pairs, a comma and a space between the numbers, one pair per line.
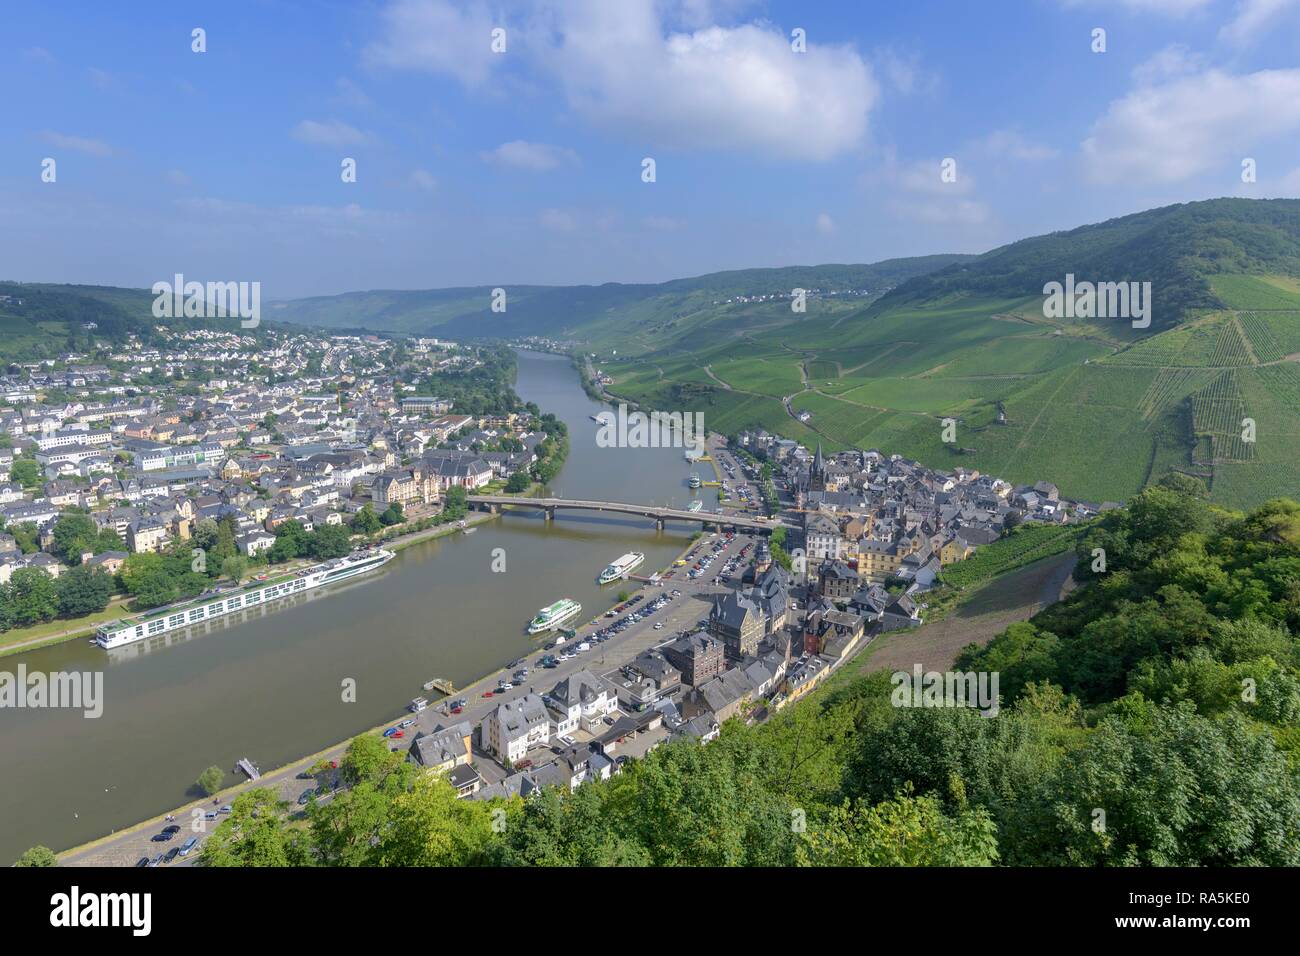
819, 463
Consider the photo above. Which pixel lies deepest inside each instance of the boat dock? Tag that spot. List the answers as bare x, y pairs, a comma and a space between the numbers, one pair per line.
248, 767
441, 685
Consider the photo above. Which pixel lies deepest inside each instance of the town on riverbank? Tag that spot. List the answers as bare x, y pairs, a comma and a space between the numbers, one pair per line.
733, 628
133, 479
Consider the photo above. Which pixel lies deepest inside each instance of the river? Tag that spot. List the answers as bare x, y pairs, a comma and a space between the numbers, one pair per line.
269, 687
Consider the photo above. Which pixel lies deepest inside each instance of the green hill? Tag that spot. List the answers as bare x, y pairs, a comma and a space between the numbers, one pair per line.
1176, 248
1099, 408
596, 313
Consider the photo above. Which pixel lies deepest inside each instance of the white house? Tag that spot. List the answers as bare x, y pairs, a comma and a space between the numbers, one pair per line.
580, 700
513, 727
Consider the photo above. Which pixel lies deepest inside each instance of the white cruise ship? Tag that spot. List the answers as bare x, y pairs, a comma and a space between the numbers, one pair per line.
621, 567
552, 616
161, 620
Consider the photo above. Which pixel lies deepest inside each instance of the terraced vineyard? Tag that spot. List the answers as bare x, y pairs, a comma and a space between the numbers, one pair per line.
1099, 410
1230, 348
1218, 411
1262, 340
1170, 386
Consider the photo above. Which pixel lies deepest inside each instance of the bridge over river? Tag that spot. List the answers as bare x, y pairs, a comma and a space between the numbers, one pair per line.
494, 503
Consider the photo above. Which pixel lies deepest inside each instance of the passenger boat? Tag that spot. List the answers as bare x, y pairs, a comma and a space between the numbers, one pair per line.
552, 616
113, 634
620, 567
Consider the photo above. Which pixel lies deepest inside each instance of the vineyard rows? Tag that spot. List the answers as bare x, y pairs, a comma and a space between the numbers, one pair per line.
1217, 411
1229, 347
1262, 340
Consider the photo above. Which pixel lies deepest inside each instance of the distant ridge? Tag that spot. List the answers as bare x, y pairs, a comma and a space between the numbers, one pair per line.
1176, 248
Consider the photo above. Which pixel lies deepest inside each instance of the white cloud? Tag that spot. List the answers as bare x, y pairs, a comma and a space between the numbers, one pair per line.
903, 72
1168, 8
1011, 144
1252, 17
423, 179
81, 144
437, 36
1177, 59
350, 95
619, 66
1167, 132
825, 224
329, 133
1289, 185
521, 154
662, 223
919, 193
558, 220
738, 88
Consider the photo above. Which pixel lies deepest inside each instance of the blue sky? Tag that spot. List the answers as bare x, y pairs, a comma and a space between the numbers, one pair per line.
475, 167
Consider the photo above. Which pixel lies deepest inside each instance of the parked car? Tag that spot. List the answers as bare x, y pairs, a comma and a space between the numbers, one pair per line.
391, 731
172, 854
156, 860
161, 837
189, 845
173, 828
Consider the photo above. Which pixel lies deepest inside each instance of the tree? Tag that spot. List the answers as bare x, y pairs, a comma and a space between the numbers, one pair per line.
27, 537
74, 534
518, 482
38, 856
210, 780
147, 578
330, 541
234, 567
366, 521
392, 515
431, 826
255, 834
82, 590
1184, 484
32, 596
903, 831
455, 502
26, 472
1177, 789
290, 542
